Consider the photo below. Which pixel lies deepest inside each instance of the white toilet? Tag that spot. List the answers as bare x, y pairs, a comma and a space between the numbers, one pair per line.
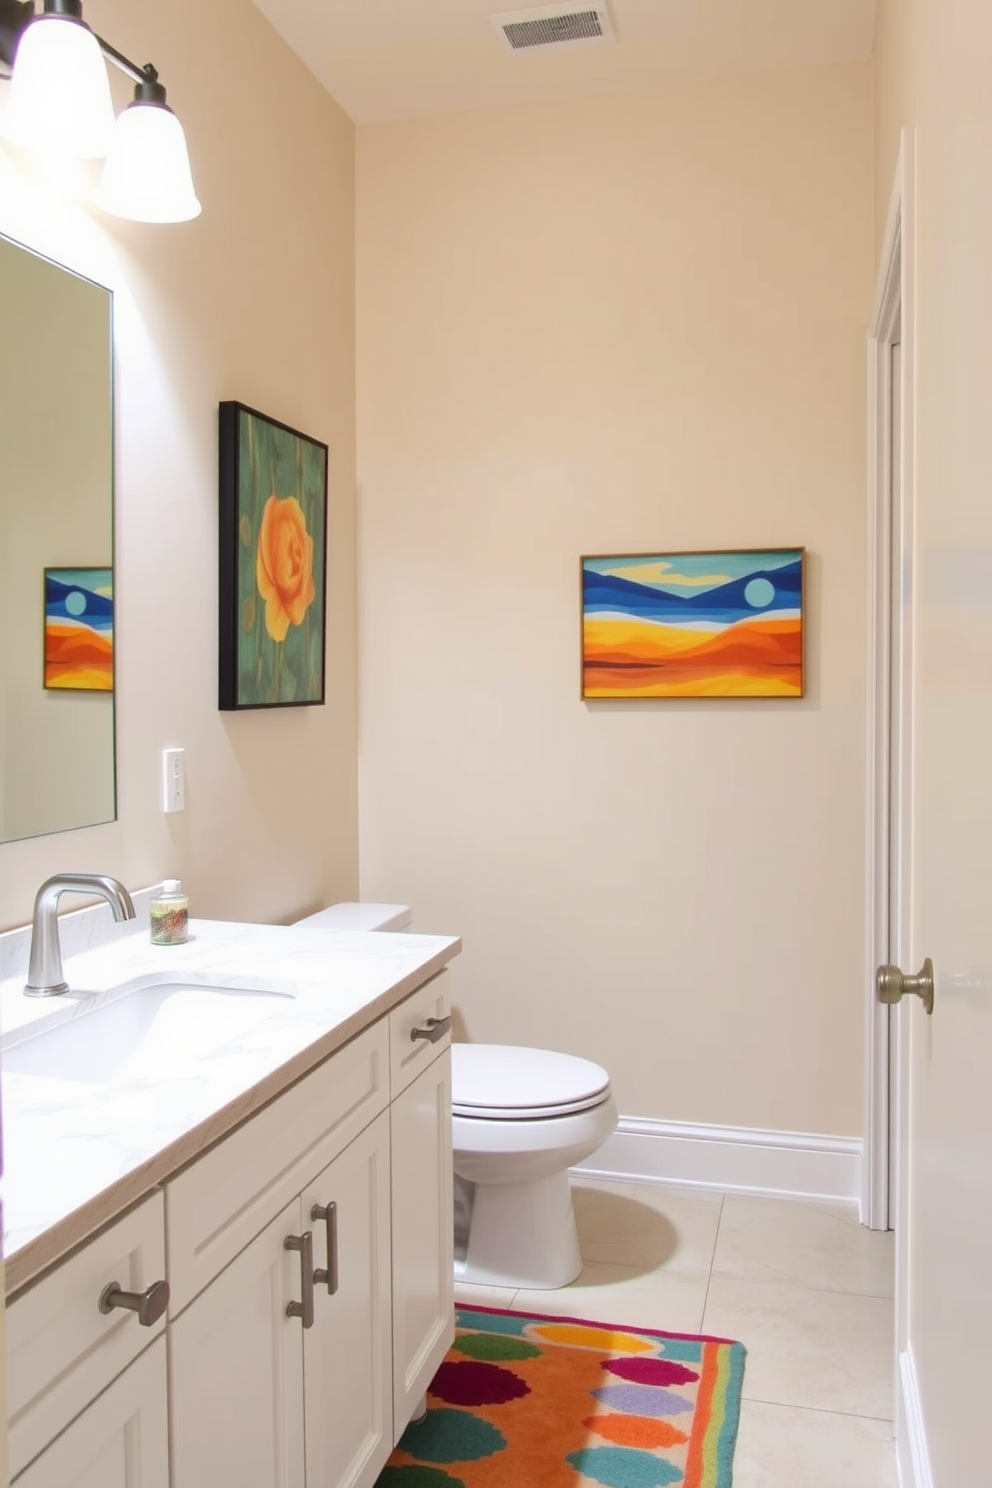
521, 1118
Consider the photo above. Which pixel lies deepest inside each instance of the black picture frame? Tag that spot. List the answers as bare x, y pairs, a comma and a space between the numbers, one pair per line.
272, 579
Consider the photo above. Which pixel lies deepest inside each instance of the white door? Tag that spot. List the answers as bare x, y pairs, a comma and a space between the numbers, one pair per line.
346, 1354
892, 425
946, 1367
236, 1372
944, 1222
423, 1235
888, 1176
120, 1441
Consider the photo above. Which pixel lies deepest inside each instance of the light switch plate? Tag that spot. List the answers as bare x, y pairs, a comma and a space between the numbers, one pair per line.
173, 779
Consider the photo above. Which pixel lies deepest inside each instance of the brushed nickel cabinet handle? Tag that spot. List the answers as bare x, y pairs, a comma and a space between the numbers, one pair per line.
149, 1304
304, 1308
329, 1214
433, 1030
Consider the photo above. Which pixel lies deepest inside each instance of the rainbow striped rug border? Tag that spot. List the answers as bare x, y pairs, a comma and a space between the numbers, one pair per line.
541, 1400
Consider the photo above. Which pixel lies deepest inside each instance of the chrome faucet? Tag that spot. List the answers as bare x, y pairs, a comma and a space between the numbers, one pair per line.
45, 965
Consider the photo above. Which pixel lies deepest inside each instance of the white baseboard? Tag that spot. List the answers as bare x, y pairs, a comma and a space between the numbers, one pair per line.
789, 1164
912, 1454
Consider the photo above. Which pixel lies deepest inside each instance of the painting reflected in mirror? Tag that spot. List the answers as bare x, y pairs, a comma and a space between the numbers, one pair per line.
56, 516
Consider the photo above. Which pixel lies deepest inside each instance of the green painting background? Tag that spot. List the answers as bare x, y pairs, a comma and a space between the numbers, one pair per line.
273, 461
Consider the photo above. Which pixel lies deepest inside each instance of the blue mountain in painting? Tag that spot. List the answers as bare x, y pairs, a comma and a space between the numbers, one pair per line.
723, 605
99, 607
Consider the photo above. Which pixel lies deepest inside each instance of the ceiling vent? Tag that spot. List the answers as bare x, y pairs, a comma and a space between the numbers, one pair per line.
538, 28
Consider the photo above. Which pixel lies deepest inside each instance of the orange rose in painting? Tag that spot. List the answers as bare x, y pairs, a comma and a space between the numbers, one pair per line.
284, 565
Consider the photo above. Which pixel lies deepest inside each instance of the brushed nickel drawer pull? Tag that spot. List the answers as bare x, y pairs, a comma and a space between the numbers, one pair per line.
329, 1214
433, 1030
304, 1308
149, 1304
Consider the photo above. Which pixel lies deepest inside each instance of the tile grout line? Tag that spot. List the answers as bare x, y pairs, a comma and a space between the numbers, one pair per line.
817, 1410
709, 1273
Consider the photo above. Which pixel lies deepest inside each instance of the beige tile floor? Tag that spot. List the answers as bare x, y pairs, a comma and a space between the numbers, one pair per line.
803, 1286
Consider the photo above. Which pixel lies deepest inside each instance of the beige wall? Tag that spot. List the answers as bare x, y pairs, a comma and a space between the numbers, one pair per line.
629, 323
255, 302
895, 75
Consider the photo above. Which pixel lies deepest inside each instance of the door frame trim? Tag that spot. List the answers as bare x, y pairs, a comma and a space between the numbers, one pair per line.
893, 308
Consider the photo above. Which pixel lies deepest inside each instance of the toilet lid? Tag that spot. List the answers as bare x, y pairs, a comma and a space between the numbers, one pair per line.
509, 1083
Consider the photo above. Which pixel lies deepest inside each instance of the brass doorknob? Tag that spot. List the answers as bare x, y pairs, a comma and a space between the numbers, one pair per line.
891, 983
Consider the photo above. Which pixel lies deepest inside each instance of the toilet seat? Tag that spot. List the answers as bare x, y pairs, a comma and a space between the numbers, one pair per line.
506, 1082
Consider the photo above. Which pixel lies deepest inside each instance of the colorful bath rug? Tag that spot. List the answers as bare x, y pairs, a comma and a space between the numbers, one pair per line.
527, 1401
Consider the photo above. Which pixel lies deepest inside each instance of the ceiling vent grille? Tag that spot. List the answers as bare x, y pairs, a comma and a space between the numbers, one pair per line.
553, 26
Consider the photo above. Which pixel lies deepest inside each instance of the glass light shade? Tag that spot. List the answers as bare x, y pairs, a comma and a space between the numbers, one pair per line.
146, 176
59, 101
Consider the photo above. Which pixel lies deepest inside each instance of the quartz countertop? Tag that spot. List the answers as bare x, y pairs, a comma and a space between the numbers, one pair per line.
78, 1152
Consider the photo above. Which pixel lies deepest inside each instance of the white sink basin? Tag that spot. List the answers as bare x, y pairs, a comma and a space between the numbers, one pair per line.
155, 1031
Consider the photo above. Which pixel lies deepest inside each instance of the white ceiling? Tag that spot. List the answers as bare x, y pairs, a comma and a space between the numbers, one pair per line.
396, 59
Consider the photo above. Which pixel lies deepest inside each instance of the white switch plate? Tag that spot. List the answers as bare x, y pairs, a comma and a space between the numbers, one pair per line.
173, 779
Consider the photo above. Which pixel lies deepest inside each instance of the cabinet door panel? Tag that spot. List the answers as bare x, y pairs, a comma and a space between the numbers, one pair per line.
346, 1354
222, 1201
120, 1441
423, 1235
61, 1350
236, 1372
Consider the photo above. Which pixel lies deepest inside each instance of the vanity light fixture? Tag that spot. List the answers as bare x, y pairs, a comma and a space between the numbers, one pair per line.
60, 103
146, 174
59, 93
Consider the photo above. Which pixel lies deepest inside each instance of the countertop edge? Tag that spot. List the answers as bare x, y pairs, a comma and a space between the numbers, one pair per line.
36, 1257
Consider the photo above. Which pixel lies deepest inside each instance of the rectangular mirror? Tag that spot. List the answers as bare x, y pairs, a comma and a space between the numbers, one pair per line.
57, 768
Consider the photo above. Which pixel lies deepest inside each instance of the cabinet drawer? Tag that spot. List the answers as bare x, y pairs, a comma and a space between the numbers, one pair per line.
409, 1055
224, 1199
61, 1349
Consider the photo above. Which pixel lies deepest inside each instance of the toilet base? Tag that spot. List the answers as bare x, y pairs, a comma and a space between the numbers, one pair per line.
522, 1235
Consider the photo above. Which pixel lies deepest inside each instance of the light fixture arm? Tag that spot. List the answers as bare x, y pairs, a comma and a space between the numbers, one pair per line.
148, 89
16, 15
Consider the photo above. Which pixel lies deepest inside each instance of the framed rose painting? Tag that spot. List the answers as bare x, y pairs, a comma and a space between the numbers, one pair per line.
273, 562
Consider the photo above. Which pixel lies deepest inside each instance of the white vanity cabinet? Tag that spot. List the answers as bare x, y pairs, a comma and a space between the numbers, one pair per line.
308, 1254
275, 1382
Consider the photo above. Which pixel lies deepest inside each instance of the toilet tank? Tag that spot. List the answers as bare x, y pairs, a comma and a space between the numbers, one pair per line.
362, 916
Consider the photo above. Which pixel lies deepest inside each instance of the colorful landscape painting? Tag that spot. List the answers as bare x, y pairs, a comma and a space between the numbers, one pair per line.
693, 625
273, 546
79, 629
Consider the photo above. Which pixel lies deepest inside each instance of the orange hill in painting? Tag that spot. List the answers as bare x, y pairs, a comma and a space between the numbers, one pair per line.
756, 657
78, 657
